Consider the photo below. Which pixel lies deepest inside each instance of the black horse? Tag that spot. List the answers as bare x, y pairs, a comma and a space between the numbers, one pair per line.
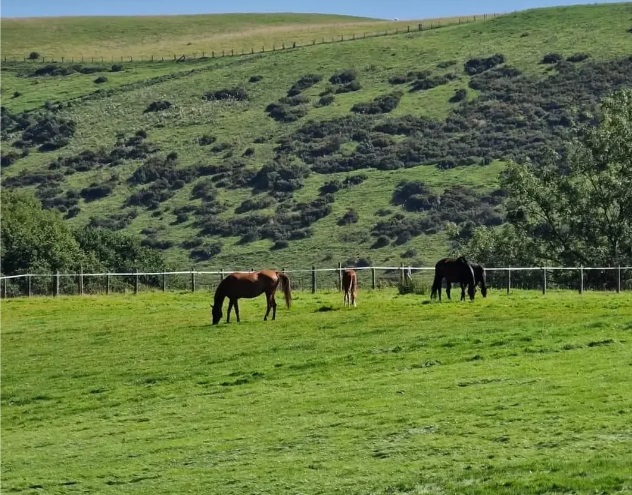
479, 279
454, 270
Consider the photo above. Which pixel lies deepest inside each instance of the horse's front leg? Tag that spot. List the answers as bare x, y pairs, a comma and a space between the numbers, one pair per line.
462, 292
237, 310
448, 288
230, 307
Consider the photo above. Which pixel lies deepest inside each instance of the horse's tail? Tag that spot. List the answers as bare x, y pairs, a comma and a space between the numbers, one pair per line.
436, 285
285, 287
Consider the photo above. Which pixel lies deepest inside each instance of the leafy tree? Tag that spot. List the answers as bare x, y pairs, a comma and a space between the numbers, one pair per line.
577, 206
34, 239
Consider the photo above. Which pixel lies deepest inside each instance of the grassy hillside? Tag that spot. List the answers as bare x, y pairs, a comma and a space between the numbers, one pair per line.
142, 37
142, 395
247, 177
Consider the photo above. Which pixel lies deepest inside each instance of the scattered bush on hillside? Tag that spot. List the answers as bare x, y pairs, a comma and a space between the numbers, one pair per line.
335, 185
17, 94
158, 106
236, 93
34, 56
425, 83
413, 196
551, 58
280, 244
344, 76
578, 57
204, 189
479, 65
282, 112
254, 79
446, 63
304, 82
154, 243
459, 95
294, 101
207, 251
280, 177
206, 140
101, 80
348, 88
116, 221
350, 217
380, 242
220, 147
381, 104
96, 191
9, 158
255, 204
116, 68
248, 152
47, 130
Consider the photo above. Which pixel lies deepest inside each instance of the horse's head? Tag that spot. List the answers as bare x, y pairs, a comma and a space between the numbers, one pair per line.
216, 314
484, 291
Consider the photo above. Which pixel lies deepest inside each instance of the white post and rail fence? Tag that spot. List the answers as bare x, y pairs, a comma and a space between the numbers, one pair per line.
609, 278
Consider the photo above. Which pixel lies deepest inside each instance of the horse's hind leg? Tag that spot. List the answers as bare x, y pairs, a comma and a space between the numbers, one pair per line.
273, 303
462, 292
230, 307
448, 288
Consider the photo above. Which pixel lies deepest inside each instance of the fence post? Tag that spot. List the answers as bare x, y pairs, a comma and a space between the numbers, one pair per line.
30, 286
373, 278
56, 284
339, 276
401, 273
81, 280
136, 282
618, 279
581, 279
508, 280
313, 279
164, 282
221, 275
192, 281
543, 280
107, 284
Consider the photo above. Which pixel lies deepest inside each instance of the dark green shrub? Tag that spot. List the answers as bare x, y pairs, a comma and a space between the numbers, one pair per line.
158, 106
34, 56
236, 93
344, 76
101, 80
479, 65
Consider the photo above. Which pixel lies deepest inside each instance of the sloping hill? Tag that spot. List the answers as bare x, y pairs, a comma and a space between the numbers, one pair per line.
363, 149
142, 37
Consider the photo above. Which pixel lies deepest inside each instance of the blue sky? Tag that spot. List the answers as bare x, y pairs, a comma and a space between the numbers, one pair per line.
387, 9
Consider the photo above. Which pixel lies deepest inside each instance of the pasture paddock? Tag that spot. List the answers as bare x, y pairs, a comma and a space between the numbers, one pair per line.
139, 394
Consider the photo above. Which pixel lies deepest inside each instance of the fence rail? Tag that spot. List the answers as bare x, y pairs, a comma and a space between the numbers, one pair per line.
417, 279
221, 53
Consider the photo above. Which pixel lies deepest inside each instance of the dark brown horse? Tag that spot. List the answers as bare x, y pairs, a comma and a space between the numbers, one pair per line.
350, 287
454, 270
248, 285
479, 279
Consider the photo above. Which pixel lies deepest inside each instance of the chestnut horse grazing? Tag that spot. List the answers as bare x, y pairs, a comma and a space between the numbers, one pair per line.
454, 270
248, 285
350, 287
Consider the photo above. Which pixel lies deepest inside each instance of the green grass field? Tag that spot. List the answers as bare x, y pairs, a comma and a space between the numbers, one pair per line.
103, 110
518, 394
